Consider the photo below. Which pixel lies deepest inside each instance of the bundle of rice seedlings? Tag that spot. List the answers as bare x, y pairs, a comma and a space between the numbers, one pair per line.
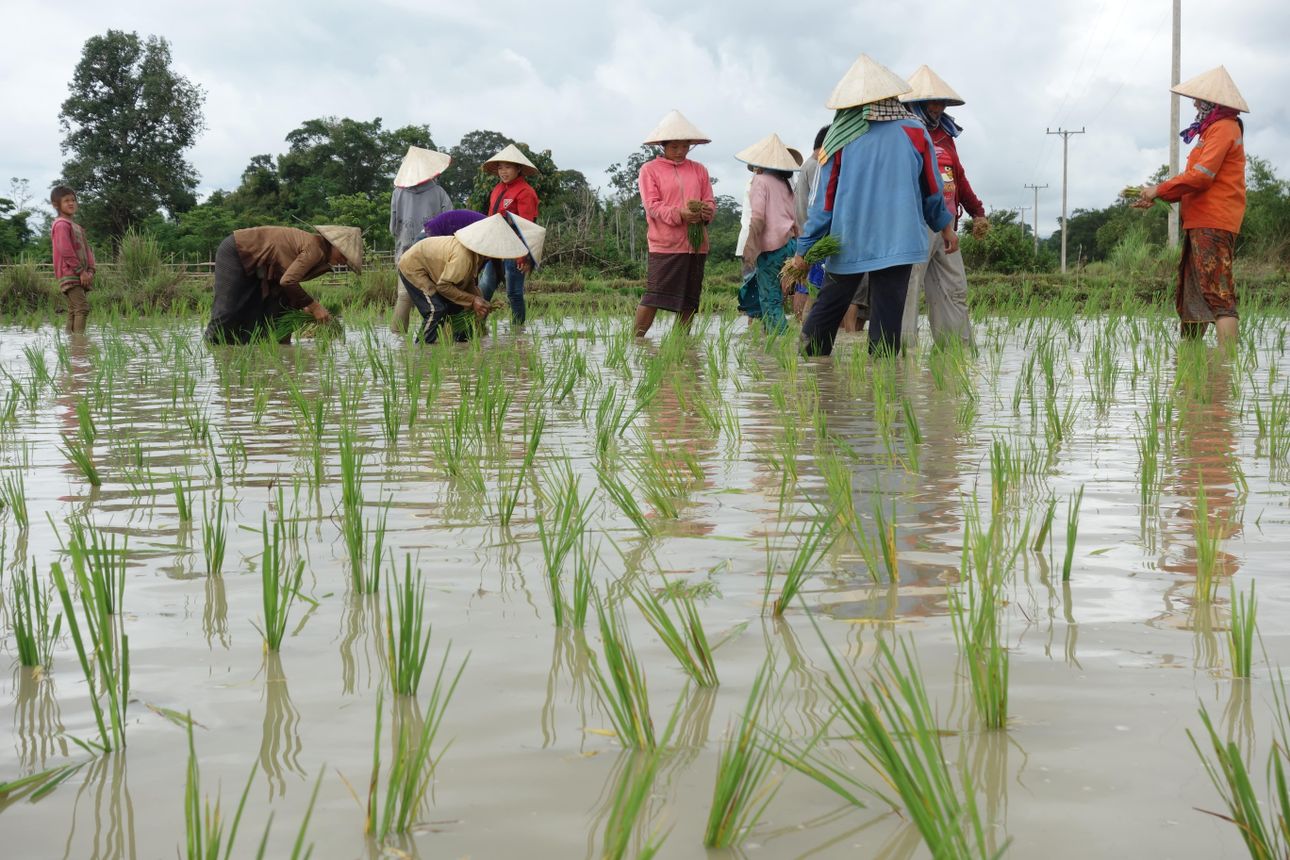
826, 247
302, 324
694, 232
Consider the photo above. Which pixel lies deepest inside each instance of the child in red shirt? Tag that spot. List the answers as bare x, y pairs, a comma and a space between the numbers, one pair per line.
512, 195
73, 258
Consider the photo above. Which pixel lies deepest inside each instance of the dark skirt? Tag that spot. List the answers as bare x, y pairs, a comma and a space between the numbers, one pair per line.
674, 282
1206, 287
240, 309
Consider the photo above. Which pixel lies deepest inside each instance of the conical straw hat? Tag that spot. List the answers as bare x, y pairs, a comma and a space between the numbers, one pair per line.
348, 239
420, 165
1215, 86
797, 155
492, 237
866, 82
929, 86
674, 126
534, 236
769, 153
512, 154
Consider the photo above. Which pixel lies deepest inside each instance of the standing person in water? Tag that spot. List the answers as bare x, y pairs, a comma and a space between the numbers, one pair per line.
1212, 193
416, 199
73, 258
258, 272
677, 195
772, 231
942, 277
879, 192
803, 190
512, 195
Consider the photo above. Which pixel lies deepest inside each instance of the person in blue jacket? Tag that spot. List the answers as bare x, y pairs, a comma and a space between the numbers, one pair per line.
878, 186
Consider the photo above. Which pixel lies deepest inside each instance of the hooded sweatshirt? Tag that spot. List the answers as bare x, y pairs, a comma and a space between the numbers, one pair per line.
411, 208
665, 188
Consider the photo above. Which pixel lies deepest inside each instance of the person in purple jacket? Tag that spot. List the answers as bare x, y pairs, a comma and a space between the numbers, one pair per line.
878, 192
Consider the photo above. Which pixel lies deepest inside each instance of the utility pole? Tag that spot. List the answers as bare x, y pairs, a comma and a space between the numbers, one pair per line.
1035, 213
1174, 118
1066, 137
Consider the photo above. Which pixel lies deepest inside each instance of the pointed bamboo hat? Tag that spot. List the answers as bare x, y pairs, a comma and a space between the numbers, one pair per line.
769, 153
1215, 86
866, 82
348, 239
512, 154
797, 155
674, 126
420, 165
533, 235
928, 86
492, 237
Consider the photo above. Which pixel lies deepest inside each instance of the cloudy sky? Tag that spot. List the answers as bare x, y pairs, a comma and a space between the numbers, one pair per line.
589, 79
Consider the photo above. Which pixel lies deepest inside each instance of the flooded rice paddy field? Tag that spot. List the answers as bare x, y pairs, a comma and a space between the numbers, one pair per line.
568, 459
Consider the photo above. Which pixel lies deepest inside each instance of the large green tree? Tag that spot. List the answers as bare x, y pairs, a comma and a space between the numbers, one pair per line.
127, 122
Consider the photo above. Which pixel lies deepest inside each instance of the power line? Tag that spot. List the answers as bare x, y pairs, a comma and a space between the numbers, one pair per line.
1066, 136
1035, 214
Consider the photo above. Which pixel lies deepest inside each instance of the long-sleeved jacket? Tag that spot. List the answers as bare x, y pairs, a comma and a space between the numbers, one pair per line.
72, 253
806, 179
774, 215
875, 195
958, 191
516, 197
411, 208
283, 257
665, 188
1212, 188
443, 265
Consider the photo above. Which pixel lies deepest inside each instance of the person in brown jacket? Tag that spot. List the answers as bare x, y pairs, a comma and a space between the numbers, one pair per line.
258, 272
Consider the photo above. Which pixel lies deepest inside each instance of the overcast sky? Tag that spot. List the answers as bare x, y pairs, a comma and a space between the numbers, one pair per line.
588, 80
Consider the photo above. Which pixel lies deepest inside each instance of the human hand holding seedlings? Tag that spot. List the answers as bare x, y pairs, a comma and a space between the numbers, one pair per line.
980, 226
693, 212
318, 312
951, 239
86, 278
522, 263
1142, 197
708, 210
481, 308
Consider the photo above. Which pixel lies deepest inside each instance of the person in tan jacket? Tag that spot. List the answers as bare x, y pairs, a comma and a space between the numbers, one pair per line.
444, 271
258, 272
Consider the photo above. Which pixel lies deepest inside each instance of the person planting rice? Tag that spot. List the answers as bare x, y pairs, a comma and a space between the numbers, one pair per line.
677, 195
417, 198
258, 272
445, 269
942, 276
803, 190
512, 195
772, 230
1212, 193
73, 258
878, 187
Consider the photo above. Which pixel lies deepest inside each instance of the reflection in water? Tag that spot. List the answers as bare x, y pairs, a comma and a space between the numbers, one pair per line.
113, 810
280, 739
985, 756
569, 652
37, 721
215, 612
1238, 716
630, 767
362, 643
796, 703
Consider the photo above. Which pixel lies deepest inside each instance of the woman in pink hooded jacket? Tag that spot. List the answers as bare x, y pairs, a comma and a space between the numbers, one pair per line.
677, 195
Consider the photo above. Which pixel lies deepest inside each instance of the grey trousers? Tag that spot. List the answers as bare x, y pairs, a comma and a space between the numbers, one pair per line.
944, 280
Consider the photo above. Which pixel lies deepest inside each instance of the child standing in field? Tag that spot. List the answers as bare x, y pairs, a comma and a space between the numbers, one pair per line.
677, 195
73, 258
511, 196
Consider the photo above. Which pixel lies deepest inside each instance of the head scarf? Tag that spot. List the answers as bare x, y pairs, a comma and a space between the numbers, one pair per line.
1206, 115
447, 223
947, 123
853, 122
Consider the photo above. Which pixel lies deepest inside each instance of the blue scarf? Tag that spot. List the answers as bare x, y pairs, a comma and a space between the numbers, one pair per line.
947, 123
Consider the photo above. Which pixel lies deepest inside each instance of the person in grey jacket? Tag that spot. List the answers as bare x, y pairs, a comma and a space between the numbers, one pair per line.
416, 198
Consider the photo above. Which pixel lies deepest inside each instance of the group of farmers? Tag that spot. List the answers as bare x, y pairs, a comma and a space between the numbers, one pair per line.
884, 181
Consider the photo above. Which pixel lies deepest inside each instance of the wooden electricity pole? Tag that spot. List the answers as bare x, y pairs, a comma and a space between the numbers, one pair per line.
1066, 137
1174, 118
1035, 215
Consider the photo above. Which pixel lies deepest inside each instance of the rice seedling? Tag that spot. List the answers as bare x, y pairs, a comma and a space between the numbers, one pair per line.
204, 824
29, 615
13, 498
623, 692
183, 501
1240, 635
742, 790
1072, 531
99, 567
406, 643
413, 764
585, 561
85, 422
684, 636
279, 581
214, 535
977, 630
79, 456
560, 528
622, 497
106, 665
1045, 525
1208, 538
817, 540
630, 799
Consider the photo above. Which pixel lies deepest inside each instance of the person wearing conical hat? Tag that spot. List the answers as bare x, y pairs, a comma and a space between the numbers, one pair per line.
942, 277
803, 190
772, 231
879, 192
445, 269
1212, 193
677, 195
512, 195
417, 197
258, 272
